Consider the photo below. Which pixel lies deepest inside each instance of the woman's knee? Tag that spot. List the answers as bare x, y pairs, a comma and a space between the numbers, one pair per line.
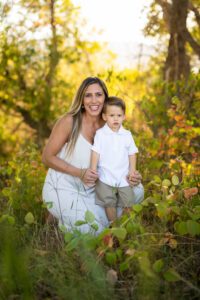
138, 193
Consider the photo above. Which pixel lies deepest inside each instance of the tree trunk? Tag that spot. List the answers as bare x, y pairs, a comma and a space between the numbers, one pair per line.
177, 63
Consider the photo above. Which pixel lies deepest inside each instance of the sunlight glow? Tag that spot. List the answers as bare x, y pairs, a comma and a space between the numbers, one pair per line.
117, 22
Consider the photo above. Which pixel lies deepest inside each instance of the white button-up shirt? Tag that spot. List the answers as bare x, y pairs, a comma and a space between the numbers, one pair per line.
114, 149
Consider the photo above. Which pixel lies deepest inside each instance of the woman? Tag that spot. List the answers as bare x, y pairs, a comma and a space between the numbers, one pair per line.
67, 154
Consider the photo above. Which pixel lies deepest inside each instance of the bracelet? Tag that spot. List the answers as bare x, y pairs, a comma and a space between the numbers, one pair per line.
83, 171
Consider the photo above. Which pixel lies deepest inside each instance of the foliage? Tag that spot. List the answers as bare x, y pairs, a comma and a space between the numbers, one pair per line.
150, 253
23, 177
154, 248
42, 54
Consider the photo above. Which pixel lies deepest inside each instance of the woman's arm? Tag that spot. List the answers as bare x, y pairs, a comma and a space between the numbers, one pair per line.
94, 160
134, 179
59, 136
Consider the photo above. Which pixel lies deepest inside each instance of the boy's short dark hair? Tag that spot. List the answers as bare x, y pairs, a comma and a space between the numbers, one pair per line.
115, 101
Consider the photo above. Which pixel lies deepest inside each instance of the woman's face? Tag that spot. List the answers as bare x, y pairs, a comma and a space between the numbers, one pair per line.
93, 100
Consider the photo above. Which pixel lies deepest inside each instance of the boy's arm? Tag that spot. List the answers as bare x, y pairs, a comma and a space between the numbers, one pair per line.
94, 160
132, 163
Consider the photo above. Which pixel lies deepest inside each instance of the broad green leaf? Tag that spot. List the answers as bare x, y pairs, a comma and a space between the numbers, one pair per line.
131, 227
194, 216
68, 236
29, 218
172, 189
144, 263
89, 217
193, 227
8, 218
171, 275
175, 180
162, 209
63, 228
157, 179
181, 227
72, 244
79, 223
158, 265
123, 266
94, 226
119, 253
11, 220
137, 207
111, 258
120, 233
166, 182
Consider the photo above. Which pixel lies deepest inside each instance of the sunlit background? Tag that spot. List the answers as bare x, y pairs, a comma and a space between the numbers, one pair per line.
120, 24
148, 53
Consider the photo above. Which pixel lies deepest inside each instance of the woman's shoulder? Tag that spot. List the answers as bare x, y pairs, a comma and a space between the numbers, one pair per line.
66, 119
65, 122
62, 128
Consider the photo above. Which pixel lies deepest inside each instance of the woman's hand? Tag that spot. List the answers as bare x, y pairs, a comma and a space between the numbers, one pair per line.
134, 179
89, 177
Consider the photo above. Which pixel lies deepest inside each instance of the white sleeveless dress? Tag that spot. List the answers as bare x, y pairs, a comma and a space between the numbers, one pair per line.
68, 198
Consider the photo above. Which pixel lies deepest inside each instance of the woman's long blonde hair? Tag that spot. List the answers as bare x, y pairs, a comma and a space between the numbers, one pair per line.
76, 109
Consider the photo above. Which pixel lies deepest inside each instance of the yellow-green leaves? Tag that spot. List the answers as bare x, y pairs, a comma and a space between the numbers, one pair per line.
29, 218
158, 265
171, 275
89, 217
187, 227
166, 183
120, 233
175, 180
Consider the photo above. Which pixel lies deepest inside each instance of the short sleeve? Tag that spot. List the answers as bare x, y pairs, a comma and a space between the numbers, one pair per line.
132, 148
96, 145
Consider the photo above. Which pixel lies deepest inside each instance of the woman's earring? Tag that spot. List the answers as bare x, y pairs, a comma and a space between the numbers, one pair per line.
82, 106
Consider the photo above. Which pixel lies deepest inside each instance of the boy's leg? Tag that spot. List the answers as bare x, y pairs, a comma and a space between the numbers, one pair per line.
125, 198
111, 213
106, 197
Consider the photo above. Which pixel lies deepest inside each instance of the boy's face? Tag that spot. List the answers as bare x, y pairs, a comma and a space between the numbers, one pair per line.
114, 117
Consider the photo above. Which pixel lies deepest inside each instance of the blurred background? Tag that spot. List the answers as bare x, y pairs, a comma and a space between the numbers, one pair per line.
139, 48
148, 53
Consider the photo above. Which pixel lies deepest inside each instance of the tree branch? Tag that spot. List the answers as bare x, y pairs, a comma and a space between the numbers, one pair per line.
26, 116
166, 8
195, 46
195, 11
53, 48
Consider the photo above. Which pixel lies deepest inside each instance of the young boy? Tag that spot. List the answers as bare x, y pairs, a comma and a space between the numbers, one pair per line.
114, 155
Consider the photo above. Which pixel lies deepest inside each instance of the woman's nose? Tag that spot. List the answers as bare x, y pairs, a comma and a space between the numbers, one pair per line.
94, 97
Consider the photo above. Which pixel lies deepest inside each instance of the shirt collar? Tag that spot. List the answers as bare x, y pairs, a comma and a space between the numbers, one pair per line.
107, 130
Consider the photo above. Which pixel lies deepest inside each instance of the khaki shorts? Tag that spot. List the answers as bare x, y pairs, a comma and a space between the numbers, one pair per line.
108, 196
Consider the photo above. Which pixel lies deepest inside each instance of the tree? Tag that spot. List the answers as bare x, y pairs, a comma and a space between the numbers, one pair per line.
173, 21
37, 40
